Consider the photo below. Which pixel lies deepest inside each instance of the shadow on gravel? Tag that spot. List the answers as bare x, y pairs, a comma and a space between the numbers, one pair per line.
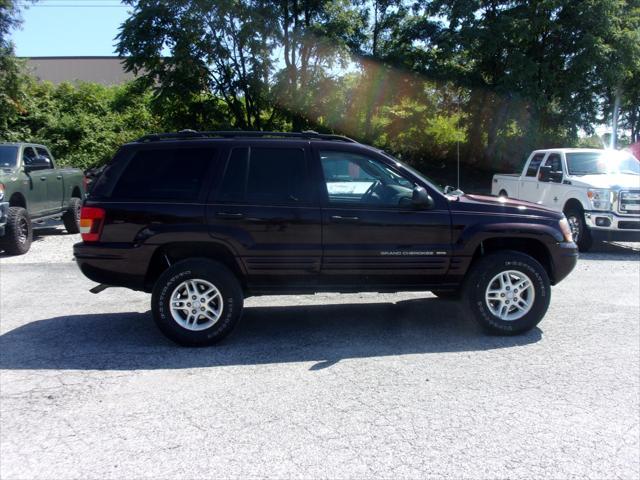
320, 333
613, 251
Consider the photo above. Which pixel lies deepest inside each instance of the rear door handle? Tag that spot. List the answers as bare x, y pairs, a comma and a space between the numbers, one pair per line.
59, 177
341, 219
229, 215
43, 178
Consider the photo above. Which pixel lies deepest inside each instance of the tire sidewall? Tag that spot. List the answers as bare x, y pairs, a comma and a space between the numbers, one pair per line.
219, 276
10, 241
492, 266
71, 218
584, 241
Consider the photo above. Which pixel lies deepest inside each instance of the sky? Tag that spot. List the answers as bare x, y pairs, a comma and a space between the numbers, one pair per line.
69, 28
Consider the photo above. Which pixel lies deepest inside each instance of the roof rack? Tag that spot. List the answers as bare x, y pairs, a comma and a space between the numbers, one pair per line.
193, 134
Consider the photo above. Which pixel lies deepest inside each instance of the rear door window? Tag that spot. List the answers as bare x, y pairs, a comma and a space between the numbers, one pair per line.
534, 165
266, 176
42, 152
167, 174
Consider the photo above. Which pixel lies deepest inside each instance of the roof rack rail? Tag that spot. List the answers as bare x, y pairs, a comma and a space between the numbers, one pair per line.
194, 134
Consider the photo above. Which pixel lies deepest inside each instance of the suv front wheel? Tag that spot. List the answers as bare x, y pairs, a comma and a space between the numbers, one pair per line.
196, 302
508, 292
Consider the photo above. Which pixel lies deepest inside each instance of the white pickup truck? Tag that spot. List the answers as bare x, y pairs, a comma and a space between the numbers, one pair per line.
598, 191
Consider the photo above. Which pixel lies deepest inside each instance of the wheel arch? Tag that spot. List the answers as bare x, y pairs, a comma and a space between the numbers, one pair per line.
573, 203
76, 193
18, 200
168, 254
533, 247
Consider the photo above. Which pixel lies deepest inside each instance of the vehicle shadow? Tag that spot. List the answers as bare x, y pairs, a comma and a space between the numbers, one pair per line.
324, 334
612, 251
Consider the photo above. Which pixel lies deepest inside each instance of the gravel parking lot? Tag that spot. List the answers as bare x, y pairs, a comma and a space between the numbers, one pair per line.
332, 386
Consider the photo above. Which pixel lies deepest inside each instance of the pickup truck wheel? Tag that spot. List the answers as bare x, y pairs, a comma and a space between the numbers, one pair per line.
579, 229
18, 233
196, 302
71, 217
508, 292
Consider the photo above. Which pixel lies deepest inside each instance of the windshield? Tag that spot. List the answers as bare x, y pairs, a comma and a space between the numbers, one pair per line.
602, 163
415, 172
8, 156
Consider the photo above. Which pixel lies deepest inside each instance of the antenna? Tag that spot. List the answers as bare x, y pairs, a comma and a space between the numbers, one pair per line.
458, 148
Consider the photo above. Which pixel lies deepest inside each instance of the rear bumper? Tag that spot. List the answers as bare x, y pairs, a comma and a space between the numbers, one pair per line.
118, 265
564, 261
608, 226
4, 208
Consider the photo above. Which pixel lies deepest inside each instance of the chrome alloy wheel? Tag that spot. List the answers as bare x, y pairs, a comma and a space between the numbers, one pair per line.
510, 295
574, 225
23, 230
196, 304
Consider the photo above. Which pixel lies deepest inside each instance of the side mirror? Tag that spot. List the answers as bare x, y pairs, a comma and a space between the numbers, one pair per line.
421, 199
38, 163
544, 174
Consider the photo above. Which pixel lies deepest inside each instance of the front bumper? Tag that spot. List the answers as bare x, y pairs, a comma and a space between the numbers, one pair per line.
610, 226
4, 208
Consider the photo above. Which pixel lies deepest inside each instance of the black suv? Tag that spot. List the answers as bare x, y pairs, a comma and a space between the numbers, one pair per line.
204, 219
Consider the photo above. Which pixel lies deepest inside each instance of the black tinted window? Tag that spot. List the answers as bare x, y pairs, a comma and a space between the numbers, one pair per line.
532, 171
277, 176
164, 174
266, 176
235, 177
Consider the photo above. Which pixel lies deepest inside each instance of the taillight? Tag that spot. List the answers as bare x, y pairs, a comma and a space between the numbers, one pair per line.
1, 191
91, 223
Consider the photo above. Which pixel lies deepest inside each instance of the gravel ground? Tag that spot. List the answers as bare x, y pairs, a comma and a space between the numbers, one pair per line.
332, 386
50, 245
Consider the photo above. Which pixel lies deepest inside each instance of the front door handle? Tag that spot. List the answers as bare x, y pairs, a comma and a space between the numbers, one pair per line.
59, 177
341, 219
229, 215
43, 178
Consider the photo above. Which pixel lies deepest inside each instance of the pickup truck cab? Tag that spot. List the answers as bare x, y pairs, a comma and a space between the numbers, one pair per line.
34, 189
202, 220
597, 190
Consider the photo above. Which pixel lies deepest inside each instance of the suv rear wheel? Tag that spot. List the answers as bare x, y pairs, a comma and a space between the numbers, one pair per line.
196, 302
508, 292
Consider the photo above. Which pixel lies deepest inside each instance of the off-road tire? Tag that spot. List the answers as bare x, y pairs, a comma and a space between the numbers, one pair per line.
71, 218
584, 239
477, 283
204, 269
18, 233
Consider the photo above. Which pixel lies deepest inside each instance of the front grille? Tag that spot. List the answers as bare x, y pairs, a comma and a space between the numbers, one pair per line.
629, 202
629, 225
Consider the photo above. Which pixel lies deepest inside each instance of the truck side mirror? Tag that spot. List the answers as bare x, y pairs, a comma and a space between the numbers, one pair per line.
421, 199
544, 174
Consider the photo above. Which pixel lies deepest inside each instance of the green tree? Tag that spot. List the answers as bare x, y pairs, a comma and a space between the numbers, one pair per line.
545, 64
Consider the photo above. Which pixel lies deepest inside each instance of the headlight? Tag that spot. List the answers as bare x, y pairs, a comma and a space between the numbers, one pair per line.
566, 230
600, 199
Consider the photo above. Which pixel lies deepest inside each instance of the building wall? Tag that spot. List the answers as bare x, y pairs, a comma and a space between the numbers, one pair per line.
103, 70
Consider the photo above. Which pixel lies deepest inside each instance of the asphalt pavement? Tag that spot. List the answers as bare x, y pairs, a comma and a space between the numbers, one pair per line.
318, 386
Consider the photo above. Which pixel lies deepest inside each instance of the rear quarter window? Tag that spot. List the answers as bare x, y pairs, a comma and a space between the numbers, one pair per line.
163, 174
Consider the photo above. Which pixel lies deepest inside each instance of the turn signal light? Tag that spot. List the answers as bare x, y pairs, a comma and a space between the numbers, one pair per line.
91, 223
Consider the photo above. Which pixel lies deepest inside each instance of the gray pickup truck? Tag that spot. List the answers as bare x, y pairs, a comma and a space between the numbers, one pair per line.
34, 189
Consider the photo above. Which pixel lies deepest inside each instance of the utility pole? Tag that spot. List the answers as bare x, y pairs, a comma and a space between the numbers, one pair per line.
616, 114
